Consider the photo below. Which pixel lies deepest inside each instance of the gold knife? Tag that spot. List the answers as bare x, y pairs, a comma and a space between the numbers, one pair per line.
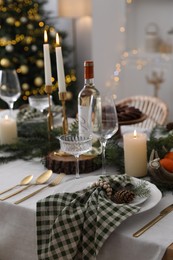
162, 214
55, 182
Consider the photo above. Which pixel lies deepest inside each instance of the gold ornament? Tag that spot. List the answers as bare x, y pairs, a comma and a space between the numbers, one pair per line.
37, 17
10, 20
9, 48
28, 39
17, 23
40, 63
38, 81
5, 63
69, 95
24, 69
25, 86
23, 19
30, 26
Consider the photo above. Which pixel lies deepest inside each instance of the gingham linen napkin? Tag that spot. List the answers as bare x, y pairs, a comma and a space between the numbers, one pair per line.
75, 225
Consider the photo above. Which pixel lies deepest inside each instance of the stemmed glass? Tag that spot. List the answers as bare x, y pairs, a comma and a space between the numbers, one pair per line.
39, 102
9, 87
75, 145
109, 125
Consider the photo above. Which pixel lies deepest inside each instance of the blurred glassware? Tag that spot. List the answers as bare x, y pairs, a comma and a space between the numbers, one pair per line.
39, 102
10, 89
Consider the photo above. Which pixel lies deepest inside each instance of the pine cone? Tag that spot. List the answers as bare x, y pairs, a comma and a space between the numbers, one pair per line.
123, 196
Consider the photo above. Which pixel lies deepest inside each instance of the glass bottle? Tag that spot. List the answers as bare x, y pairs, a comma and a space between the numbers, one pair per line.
89, 103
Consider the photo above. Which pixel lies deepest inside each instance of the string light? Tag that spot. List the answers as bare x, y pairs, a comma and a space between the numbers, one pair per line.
18, 38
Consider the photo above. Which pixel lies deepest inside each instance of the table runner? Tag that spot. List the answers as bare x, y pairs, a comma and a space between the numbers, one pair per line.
75, 225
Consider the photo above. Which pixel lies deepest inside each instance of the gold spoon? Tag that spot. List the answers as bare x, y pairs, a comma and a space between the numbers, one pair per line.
23, 182
44, 177
55, 182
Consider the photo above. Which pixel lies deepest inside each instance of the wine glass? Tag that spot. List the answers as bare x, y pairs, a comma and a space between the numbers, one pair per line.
76, 145
9, 87
109, 125
39, 102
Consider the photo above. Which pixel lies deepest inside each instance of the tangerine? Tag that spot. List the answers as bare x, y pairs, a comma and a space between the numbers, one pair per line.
167, 164
169, 155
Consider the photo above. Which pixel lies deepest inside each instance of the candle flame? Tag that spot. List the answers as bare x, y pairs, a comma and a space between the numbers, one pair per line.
135, 133
6, 117
57, 39
45, 36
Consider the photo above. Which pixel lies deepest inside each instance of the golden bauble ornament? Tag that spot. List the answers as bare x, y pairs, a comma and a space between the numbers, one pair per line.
9, 48
34, 48
40, 63
37, 17
23, 19
25, 86
24, 69
28, 39
69, 95
38, 81
10, 20
17, 23
30, 26
5, 63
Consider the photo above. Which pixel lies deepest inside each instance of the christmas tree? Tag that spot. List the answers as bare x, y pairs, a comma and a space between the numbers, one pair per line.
22, 25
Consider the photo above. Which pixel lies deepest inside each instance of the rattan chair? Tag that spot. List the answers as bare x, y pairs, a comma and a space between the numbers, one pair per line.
155, 109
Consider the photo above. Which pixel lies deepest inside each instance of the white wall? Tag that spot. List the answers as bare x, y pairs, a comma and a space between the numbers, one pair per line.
108, 41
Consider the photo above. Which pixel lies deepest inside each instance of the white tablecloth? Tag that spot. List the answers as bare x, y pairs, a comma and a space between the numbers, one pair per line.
18, 222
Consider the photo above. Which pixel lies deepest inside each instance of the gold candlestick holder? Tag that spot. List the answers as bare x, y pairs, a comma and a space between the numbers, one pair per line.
63, 98
48, 90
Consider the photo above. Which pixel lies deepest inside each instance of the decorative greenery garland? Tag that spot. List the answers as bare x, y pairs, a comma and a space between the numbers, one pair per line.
33, 142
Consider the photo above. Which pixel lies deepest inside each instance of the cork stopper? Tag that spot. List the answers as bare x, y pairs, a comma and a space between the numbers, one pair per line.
88, 69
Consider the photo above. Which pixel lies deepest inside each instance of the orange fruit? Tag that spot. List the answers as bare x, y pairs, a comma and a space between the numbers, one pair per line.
169, 155
167, 164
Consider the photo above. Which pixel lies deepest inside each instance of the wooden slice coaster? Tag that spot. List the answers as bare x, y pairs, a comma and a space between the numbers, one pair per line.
60, 162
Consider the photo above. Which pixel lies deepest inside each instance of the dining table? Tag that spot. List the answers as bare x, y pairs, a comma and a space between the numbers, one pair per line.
18, 230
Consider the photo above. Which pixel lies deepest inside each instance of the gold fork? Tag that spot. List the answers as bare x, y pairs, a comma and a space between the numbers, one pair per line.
55, 182
162, 214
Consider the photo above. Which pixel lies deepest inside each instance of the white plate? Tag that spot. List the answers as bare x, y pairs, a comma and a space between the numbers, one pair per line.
84, 182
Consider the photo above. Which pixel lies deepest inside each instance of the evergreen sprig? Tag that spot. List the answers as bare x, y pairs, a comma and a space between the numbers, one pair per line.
141, 189
33, 141
161, 141
115, 154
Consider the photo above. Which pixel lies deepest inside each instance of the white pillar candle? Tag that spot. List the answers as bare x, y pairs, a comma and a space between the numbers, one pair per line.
8, 130
60, 66
47, 63
135, 154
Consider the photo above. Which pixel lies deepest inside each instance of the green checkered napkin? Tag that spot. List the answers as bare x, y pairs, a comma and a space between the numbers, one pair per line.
75, 225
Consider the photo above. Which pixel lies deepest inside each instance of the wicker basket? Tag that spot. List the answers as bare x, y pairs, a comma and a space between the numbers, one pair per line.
158, 174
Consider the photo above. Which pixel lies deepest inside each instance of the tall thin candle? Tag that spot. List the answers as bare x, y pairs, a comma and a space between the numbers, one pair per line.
47, 63
60, 66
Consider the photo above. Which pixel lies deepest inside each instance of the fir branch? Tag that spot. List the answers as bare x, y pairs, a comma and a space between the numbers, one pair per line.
115, 155
32, 142
141, 189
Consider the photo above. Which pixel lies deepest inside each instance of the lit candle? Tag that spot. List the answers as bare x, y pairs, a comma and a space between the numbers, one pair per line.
8, 130
135, 154
47, 63
60, 66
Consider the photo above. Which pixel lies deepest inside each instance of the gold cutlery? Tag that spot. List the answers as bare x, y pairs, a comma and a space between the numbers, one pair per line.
23, 182
55, 182
44, 177
162, 214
